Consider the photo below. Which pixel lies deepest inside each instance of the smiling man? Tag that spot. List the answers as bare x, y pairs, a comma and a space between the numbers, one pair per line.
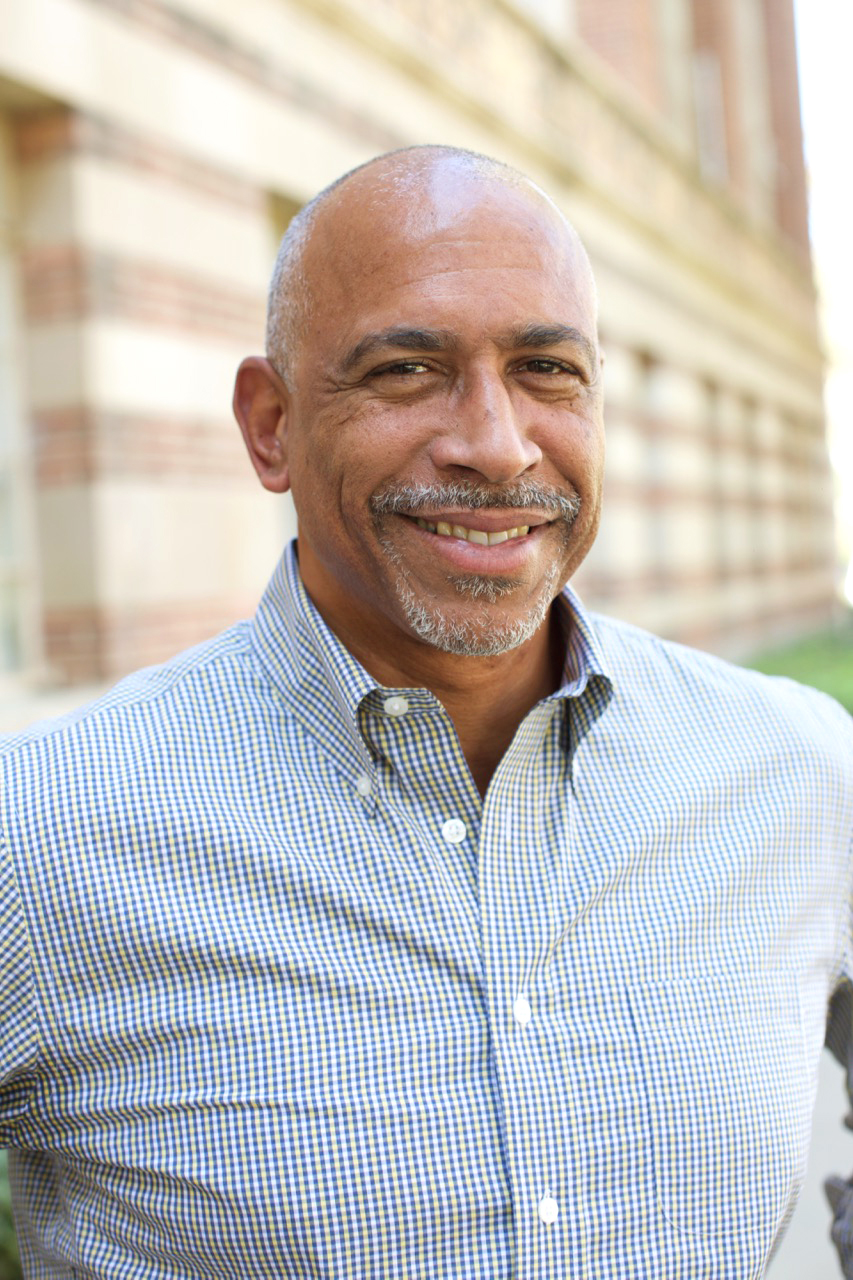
433, 401
426, 925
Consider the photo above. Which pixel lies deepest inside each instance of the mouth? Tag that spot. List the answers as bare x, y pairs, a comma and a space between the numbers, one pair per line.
481, 537
459, 530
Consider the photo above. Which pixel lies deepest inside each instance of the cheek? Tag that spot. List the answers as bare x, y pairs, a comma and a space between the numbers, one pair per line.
595, 459
577, 450
359, 454
333, 476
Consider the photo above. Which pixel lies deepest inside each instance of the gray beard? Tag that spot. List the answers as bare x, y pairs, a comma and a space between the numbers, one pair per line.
481, 635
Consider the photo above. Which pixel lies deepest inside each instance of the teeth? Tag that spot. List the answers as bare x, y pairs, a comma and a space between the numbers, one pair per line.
479, 536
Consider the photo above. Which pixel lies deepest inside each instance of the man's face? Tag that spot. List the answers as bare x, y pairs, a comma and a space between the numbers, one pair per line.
444, 437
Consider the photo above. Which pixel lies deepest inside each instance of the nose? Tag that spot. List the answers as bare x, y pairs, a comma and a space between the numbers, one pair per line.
487, 432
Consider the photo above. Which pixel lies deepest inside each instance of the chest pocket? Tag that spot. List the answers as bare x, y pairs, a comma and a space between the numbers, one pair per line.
729, 1099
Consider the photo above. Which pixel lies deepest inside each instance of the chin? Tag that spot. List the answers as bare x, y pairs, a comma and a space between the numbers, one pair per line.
481, 631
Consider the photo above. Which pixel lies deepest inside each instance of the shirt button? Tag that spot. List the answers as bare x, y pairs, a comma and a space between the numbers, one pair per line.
548, 1209
396, 706
363, 785
454, 830
522, 1011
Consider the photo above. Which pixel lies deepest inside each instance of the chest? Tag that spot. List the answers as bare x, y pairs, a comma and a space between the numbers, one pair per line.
298, 1029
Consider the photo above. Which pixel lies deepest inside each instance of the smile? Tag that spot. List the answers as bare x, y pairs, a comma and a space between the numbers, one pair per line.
479, 536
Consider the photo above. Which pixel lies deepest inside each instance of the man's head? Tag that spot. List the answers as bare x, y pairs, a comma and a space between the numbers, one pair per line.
431, 392
398, 174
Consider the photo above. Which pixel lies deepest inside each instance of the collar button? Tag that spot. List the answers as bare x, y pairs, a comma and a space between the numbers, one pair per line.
395, 705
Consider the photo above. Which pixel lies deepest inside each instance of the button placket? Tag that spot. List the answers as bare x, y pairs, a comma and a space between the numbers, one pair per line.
517, 884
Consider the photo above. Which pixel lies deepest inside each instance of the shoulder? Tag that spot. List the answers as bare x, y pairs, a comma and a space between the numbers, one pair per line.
192, 694
704, 691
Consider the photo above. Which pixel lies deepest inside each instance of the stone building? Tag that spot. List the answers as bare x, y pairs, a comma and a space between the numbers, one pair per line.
151, 153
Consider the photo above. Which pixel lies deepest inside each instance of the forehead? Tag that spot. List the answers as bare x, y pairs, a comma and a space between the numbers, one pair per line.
441, 248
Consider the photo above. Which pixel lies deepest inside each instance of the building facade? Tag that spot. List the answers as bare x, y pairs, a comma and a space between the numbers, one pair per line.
151, 154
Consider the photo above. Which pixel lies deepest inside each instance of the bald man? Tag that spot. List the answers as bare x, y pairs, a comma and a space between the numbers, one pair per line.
427, 925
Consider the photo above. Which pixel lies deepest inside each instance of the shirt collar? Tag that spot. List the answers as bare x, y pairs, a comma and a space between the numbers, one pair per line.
585, 660
319, 679
324, 685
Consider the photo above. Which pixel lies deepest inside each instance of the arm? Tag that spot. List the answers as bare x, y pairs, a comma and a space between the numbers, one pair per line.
19, 1044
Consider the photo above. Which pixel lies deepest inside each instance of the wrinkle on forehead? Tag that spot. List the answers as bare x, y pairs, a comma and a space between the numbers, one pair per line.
437, 205
431, 193
417, 196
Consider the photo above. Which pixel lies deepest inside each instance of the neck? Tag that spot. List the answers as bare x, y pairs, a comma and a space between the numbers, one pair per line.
486, 698
489, 706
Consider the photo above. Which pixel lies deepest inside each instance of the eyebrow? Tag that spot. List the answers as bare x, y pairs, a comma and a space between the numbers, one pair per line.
407, 339
537, 336
551, 335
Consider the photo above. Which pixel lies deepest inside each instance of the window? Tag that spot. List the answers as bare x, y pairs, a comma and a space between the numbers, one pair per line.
556, 16
710, 116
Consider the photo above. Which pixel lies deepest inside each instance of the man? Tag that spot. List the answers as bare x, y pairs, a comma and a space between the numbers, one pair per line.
425, 926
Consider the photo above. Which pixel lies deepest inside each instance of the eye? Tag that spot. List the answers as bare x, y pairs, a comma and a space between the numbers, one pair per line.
401, 369
548, 366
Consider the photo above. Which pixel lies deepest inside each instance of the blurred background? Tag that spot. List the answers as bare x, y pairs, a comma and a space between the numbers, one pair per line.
152, 153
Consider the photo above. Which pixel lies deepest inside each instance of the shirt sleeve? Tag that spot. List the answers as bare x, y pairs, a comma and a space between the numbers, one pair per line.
839, 1040
19, 1040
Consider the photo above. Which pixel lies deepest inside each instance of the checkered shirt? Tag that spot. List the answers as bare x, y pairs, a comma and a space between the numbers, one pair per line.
282, 996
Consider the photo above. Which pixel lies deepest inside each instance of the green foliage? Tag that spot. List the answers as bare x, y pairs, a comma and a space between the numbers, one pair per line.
823, 660
10, 1267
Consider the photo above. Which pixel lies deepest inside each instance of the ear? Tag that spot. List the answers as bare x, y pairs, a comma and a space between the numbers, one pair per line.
262, 406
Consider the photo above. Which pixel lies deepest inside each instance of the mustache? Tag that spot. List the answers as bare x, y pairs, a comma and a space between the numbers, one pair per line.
462, 495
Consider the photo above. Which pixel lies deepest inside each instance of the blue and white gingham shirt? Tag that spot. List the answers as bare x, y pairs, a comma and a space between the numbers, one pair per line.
280, 995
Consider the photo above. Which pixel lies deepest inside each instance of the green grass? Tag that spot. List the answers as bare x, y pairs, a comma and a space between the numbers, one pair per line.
824, 660
10, 1267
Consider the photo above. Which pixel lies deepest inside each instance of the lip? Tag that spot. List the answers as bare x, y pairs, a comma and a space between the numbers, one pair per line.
469, 557
489, 521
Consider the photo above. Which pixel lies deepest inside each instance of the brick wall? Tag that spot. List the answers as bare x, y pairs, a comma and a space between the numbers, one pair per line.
791, 205
125, 307
626, 35
716, 528
148, 202
714, 37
